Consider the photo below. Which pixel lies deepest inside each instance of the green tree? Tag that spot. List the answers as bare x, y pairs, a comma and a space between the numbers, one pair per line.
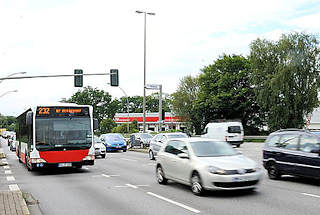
183, 103
101, 101
8, 122
106, 125
152, 103
134, 125
226, 92
120, 129
286, 78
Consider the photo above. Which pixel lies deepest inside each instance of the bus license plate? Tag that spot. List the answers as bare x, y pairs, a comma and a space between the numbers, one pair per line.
65, 165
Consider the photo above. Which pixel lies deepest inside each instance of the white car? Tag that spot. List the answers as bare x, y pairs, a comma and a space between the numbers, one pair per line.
206, 164
160, 139
99, 147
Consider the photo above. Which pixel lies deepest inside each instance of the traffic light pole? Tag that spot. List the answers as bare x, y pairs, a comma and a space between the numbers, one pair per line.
52, 76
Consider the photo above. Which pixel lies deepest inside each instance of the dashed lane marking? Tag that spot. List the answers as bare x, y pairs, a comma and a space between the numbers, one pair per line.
8, 172
6, 167
127, 159
10, 178
149, 164
132, 186
312, 195
14, 187
174, 202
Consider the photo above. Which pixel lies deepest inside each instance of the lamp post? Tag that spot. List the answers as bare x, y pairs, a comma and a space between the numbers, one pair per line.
144, 70
16, 73
128, 129
11, 91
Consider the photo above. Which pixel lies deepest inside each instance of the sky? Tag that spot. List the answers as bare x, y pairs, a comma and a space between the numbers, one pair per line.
55, 37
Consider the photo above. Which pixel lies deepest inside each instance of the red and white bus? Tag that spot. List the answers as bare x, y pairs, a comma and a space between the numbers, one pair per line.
56, 136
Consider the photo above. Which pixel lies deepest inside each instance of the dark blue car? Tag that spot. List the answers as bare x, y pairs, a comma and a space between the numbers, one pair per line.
114, 142
292, 152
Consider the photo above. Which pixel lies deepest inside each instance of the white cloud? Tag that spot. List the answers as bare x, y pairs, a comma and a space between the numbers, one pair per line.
55, 37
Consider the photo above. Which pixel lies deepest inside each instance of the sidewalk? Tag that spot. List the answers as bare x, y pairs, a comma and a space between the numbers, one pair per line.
11, 202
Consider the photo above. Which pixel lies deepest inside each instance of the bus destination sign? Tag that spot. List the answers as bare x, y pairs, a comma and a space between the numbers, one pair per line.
62, 111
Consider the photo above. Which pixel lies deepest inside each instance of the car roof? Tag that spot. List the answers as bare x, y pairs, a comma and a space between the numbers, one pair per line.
295, 131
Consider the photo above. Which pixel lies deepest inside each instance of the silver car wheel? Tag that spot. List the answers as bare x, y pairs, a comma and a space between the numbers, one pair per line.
160, 176
196, 186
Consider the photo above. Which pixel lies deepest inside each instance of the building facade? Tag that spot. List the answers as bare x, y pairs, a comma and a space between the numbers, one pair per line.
152, 121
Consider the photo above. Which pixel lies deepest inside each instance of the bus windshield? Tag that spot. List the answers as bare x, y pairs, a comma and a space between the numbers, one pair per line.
74, 132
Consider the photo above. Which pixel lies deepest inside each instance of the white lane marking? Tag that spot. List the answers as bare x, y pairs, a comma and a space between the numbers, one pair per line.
4, 159
127, 159
10, 178
8, 172
104, 175
174, 202
132, 186
143, 185
14, 187
114, 175
6, 167
312, 195
5, 162
149, 164
121, 186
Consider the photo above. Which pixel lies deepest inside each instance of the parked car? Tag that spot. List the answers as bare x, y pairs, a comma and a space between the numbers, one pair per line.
114, 142
232, 132
292, 152
140, 139
206, 164
13, 145
158, 140
99, 147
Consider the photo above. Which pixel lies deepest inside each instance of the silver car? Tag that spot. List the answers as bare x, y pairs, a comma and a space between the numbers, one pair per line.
99, 147
158, 140
206, 164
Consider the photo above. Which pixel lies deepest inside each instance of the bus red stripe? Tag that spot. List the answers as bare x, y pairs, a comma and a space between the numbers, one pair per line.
64, 156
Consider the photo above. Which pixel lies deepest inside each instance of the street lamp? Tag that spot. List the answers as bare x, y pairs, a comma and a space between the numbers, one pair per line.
16, 73
127, 107
144, 70
11, 91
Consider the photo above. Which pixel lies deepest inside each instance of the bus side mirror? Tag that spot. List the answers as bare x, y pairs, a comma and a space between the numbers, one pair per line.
29, 118
95, 124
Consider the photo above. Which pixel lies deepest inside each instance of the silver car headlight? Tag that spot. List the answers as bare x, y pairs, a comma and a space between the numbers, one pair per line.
216, 170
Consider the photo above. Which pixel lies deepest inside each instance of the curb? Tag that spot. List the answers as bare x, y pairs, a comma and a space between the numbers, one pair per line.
23, 204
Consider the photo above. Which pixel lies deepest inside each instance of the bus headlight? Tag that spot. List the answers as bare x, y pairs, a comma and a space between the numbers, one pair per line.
38, 160
89, 158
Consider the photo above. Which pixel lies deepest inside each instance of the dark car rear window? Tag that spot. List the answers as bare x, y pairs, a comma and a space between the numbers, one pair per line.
234, 129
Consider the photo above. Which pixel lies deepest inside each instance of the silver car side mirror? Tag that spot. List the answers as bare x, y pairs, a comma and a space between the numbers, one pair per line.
183, 155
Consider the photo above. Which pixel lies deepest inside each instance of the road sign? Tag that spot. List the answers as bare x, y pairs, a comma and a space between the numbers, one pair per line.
152, 86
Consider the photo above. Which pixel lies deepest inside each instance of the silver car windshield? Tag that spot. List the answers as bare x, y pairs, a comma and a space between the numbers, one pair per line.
212, 149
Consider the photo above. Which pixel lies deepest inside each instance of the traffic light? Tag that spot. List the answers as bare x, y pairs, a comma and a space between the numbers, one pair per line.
78, 80
163, 115
114, 77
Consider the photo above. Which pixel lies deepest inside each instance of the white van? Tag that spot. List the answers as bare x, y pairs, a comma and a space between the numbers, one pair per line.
231, 132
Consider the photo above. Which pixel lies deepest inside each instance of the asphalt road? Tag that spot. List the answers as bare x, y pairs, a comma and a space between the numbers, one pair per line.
124, 183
